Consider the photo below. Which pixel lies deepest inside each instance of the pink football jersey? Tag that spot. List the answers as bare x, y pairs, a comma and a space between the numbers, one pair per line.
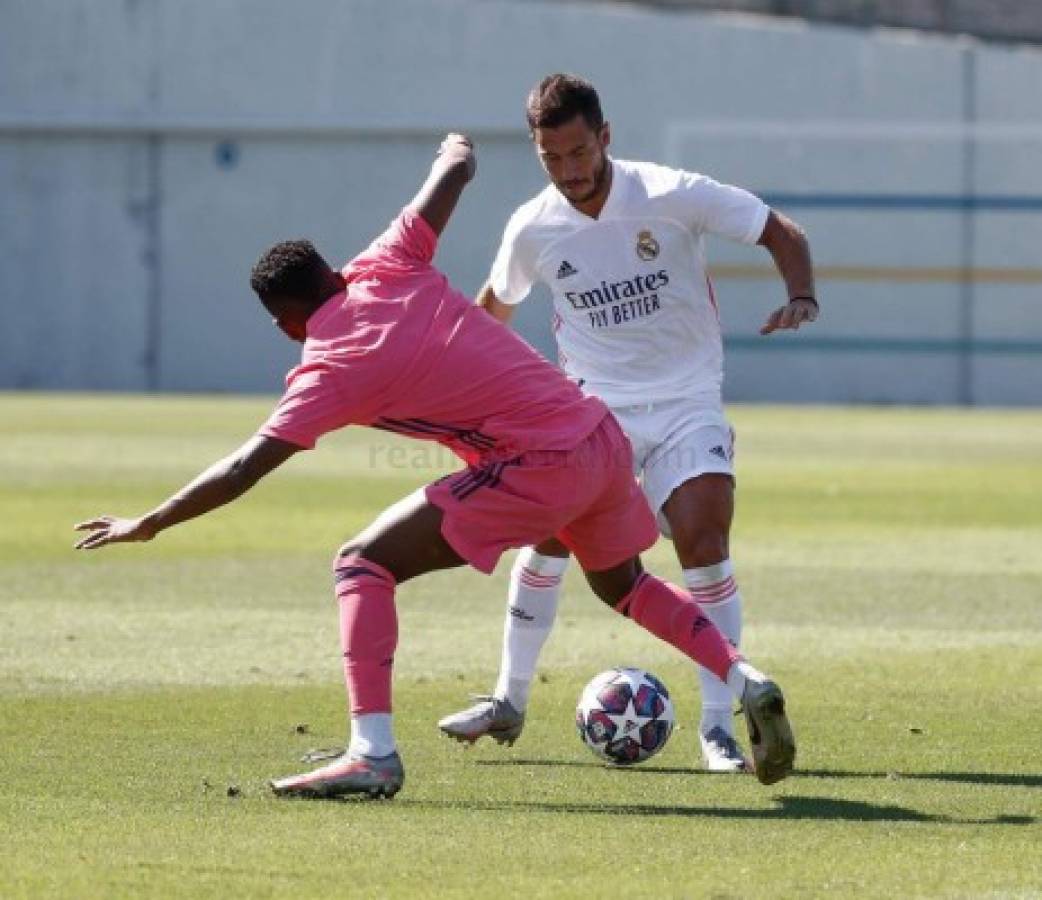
400, 349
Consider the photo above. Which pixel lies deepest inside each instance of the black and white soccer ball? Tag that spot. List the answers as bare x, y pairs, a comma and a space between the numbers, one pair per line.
625, 716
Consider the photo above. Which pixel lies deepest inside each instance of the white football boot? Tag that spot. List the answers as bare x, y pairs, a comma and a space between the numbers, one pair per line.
721, 752
348, 774
491, 716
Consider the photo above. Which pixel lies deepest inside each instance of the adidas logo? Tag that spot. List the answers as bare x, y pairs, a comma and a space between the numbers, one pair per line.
700, 624
719, 451
566, 269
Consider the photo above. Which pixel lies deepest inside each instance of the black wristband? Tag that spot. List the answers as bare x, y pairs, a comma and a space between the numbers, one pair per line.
811, 299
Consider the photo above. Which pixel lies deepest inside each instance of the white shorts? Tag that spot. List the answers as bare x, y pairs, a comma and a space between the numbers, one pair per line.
674, 441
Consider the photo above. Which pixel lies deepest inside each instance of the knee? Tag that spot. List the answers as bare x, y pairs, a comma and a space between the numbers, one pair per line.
351, 549
698, 549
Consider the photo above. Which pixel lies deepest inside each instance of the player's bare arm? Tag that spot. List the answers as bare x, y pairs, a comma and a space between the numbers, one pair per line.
488, 301
223, 482
787, 244
453, 168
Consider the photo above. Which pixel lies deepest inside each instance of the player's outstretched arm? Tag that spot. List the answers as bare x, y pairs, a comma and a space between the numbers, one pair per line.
787, 244
220, 484
453, 168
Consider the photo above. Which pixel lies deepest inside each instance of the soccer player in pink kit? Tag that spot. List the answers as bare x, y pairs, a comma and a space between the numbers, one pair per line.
388, 343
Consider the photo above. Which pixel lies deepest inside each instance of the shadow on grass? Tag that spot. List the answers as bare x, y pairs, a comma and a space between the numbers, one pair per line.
788, 808
1001, 779
593, 764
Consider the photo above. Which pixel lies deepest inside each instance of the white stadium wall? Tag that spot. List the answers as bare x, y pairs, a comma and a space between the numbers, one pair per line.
150, 150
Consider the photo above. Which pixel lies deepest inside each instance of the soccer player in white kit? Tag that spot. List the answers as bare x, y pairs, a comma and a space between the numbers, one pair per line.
620, 245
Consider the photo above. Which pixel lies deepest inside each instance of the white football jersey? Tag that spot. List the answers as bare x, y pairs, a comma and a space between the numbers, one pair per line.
634, 312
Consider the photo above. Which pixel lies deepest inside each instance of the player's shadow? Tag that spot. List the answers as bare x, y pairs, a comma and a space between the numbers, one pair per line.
787, 808
1001, 779
593, 764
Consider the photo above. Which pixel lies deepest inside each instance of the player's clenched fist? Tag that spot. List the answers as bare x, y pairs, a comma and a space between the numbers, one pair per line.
459, 146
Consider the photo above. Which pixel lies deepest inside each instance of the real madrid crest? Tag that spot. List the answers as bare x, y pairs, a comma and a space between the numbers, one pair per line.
647, 246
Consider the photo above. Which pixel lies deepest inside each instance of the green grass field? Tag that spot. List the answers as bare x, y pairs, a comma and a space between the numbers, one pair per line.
891, 563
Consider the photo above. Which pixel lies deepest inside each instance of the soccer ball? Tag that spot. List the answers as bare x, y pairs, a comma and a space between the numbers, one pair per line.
625, 716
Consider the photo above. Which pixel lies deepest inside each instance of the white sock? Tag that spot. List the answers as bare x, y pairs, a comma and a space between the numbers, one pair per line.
741, 672
371, 735
714, 589
535, 591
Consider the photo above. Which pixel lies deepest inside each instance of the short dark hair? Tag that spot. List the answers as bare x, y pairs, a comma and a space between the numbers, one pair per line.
559, 98
290, 269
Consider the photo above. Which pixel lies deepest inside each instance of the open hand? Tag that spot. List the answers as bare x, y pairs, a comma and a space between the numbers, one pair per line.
109, 530
792, 315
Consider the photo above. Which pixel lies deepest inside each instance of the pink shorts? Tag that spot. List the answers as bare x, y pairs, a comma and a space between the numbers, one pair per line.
586, 497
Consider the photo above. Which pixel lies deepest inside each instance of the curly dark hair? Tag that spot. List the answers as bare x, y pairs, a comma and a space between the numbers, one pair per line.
560, 98
290, 269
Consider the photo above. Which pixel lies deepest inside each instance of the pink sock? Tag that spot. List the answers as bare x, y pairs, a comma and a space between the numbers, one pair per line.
670, 613
368, 632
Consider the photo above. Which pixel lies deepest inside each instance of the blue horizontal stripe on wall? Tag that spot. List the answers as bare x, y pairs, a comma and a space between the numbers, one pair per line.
954, 202
883, 345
